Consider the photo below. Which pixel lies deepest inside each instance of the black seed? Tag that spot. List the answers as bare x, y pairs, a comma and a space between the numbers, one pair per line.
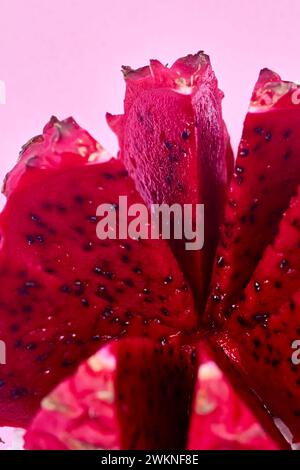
128, 314
257, 343
193, 357
18, 343
169, 180
14, 327
287, 134
35, 218
27, 308
125, 259
88, 246
257, 286
107, 312
261, 318
65, 289
146, 291
98, 270
67, 362
244, 152
287, 155
168, 144
30, 239
241, 320
163, 341
239, 180
284, 265
221, 262
165, 311
108, 176
277, 284
261, 178
19, 392
268, 136
42, 357
258, 130
92, 218
2, 383
49, 270
137, 270
168, 279
109, 275
239, 169
96, 338
275, 362
79, 230
62, 209
40, 238
185, 134
79, 199
292, 305
31, 346
255, 355
216, 298
85, 302
128, 282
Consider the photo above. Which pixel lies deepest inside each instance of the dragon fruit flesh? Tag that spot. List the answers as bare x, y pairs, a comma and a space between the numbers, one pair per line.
123, 397
110, 325
63, 291
255, 296
174, 144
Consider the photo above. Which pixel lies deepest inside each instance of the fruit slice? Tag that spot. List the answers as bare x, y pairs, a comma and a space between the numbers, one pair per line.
63, 291
172, 140
129, 395
220, 420
265, 328
267, 174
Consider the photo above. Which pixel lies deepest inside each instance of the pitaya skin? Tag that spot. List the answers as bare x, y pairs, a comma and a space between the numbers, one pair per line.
254, 304
63, 291
220, 420
123, 397
175, 146
266, 322
266, 176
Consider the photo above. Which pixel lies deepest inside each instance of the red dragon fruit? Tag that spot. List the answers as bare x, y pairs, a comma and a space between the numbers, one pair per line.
129, 395
255, 289
220, 420
173, 143
266, 177
63, 291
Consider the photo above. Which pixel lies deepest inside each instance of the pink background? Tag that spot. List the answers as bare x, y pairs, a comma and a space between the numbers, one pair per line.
63, 57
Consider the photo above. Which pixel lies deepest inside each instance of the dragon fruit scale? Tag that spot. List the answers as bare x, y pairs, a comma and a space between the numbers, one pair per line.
254, 299
175, 146
129, 395
63, 291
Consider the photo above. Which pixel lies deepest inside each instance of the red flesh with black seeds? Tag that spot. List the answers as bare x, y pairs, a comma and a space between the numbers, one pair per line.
129, 395
267, 322
172, 140
63, 291
266, 176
